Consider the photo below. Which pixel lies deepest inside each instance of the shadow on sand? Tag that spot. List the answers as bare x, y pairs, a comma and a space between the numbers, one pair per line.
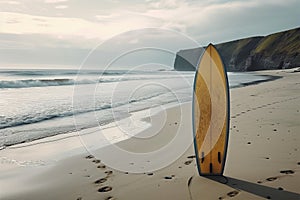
257, 189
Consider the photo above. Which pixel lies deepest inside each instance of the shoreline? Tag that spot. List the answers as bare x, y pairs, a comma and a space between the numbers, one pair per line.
110, 122
264, 132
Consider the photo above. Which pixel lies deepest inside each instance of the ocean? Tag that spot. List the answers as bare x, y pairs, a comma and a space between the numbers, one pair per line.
36, 104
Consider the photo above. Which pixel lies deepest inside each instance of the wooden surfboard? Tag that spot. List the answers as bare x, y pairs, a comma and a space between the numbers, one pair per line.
211, 113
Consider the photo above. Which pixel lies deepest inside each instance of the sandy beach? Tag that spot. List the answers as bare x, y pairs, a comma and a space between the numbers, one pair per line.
263, 158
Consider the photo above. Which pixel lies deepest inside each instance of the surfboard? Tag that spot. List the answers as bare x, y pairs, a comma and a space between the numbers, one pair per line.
211, 113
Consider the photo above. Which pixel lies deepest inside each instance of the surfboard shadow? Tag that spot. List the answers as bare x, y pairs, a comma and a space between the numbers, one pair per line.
257, 189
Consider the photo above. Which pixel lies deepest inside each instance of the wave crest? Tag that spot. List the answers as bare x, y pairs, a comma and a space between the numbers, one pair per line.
41, 83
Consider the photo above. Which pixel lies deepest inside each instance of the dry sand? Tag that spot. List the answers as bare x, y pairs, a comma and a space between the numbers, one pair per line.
263, 157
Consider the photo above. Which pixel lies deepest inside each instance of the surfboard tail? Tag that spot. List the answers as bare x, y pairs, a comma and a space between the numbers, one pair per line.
211, 113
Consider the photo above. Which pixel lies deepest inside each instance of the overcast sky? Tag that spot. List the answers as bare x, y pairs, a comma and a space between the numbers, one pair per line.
61, 33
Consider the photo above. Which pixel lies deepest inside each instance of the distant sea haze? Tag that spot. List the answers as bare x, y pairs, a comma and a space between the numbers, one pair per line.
42, 103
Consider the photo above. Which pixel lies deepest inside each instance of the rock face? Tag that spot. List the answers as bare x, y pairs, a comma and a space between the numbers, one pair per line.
276, 51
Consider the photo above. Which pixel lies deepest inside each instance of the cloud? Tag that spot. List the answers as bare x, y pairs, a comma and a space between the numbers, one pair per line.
101, 28
81, 26
133, 41
203, 20
12, 21
55, 1
225, 20
10, 2
166, 4
57, 26
61, 7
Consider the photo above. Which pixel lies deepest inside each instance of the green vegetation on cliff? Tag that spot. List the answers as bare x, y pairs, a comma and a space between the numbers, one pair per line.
275, 51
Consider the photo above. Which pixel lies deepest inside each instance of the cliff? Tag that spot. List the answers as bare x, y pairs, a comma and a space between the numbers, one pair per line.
275, 51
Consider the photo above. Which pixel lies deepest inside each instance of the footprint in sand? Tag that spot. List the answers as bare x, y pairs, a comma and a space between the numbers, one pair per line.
105, 189
233, 193
110, 198
188, 162
191, 157
271, 178
96, 161
79, 198
287, 171
109, 172
101, 180
168, 177
280, 188
150, 174
89, 157
101, 166
230, 194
